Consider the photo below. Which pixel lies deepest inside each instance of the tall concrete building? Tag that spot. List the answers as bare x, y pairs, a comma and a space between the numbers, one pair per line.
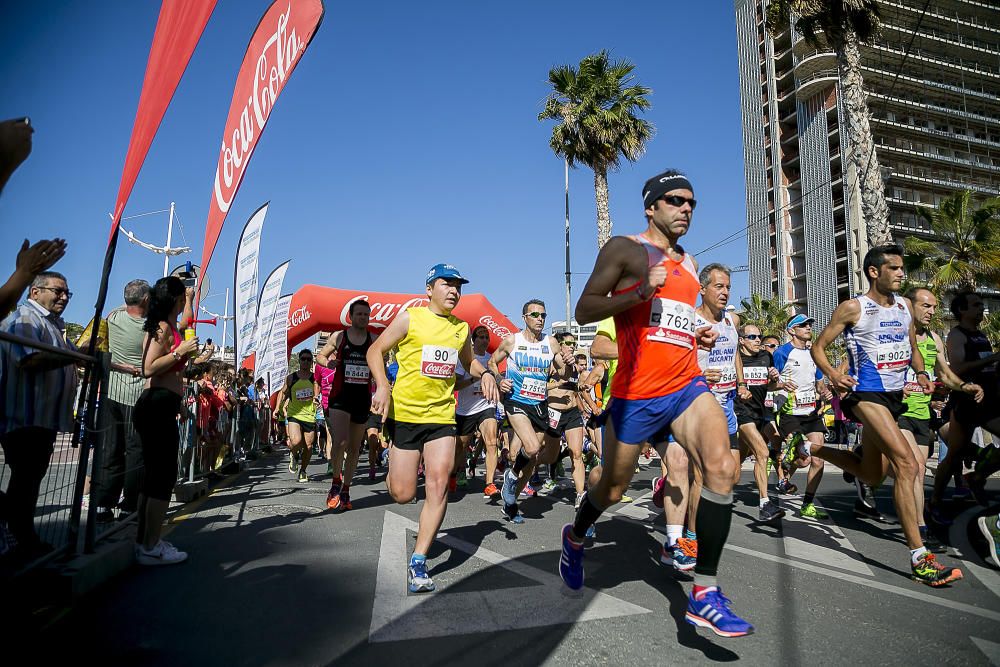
935, 120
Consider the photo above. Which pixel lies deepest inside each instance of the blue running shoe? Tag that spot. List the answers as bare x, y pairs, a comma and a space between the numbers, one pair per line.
684, 554
418, 578
712, 611
508, 492
592, 531
571, 560
511, 514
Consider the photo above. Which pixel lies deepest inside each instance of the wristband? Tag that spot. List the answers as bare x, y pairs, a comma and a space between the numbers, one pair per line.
741, 384
961, 387
924, 373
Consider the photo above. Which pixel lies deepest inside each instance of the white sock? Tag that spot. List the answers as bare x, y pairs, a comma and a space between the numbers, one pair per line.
917, 554
673, 534
763, 501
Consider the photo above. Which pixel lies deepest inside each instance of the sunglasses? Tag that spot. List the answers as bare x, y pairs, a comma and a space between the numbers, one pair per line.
678, 201
59, 292
771, 346
752, 336
537, 315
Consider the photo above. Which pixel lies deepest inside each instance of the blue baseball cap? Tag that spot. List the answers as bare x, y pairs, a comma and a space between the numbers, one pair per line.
799, 320
446, 271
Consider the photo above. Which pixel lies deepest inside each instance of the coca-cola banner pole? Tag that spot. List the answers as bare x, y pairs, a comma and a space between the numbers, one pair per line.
281, 38
245, 283
266, 307
278, 346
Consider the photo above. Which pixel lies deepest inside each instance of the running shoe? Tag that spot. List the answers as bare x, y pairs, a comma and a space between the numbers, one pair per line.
452, 483
579, 500
333, 498
163, 553
591, 532
770, 512
345, 501
490, 491
667, 555
988, 527
462, 481
509, 489
303, 477
711, 610
626, 499
417, 578
293, 465
658, 485
510, 513
929, 571
684, 554
786, 488
810, 511
863, 510
548, 487
527, 492
571, 560
977, 487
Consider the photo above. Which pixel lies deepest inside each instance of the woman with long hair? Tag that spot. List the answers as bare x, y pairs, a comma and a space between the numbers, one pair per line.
164, 356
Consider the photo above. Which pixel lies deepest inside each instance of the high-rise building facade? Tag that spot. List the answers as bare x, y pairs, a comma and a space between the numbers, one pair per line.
935, 121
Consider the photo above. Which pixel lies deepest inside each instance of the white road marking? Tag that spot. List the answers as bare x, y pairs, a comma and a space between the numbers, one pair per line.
804, 539
959, 537
990, 649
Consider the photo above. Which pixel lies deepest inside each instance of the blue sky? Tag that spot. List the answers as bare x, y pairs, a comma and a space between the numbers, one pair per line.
406, 136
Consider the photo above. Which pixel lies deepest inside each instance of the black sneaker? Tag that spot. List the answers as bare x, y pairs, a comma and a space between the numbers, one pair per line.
933, 544
863, 510
770, 512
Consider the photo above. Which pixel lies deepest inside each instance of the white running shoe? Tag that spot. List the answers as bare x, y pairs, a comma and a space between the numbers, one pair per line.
164, 553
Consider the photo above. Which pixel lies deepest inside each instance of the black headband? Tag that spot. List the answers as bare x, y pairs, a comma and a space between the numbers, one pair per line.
661, 184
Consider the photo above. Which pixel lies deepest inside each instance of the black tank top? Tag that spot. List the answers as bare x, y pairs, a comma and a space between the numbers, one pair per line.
977, 346
353, 375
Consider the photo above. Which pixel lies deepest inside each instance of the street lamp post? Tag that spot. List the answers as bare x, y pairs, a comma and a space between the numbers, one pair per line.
569, 297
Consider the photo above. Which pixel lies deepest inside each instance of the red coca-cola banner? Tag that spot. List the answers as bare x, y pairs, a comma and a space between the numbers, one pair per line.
178, 30
281, 38
316, 309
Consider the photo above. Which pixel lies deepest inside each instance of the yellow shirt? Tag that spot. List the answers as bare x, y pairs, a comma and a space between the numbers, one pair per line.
606, 327
424, 392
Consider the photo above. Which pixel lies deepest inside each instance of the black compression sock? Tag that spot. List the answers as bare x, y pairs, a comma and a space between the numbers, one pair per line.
714, 516
807, 498
521, 461
586, 516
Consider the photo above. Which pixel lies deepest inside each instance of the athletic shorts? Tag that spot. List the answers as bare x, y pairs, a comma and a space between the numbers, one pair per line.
804, 424
358, 408
405, 435
893, 400
734, 441
538, 414
728, 406
374, 421
469, 424
759, 422
568, 419
920, 428
972, 414
641, 419
307, 427
747, 413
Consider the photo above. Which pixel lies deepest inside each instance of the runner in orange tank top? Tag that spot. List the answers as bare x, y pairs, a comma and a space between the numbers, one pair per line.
650, 285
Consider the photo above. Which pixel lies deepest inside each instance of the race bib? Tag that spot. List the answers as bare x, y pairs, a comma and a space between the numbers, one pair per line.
728, 381
671, 322
303, 394
477, 388
554, 417
532, 388
805, 399
892, 356
356, 373
912, 386
769, 399
755, 375
438, 362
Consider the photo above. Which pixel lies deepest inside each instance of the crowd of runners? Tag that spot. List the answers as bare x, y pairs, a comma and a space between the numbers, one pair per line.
672, 369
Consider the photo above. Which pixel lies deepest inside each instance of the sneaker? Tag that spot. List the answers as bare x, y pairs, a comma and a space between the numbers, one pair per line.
490, 491
510, 513
303, 477
810, 511
711, 610
929, 571
932, 543
591, 532
452, 483
345, 501
626, 499
163, 553
293, 465
988, 527
104, 515
527, 492
658, 485
786, 488
571, 560
667, 555
579, 500
509, 489
770, 512
863, 510
548, 487
417, 578
333, 498
684, 554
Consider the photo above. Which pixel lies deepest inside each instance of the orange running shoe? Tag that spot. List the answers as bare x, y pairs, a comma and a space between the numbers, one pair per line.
490, 491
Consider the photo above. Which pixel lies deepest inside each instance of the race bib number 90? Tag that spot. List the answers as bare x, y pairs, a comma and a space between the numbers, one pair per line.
356, 374
671, 322
554, 417
438, 362
893, 355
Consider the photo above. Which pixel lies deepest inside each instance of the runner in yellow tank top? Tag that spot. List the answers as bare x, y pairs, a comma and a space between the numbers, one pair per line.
421, 411
300, 392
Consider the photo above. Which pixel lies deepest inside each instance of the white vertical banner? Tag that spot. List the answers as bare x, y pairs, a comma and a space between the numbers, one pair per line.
266, 308
278, 346
245, 283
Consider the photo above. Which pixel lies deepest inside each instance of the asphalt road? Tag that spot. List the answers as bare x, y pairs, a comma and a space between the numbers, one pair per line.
276, 579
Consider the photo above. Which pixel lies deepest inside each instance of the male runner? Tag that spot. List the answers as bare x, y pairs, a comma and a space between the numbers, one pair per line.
299, 391
350, 400
420, 415
650, 285
972, 358
881, 343
916, 421
799, 413
761, 376
529, 355
771, 406
475, 414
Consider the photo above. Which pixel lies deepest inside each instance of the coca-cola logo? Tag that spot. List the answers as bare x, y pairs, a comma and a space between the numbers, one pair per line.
275, 61
298, 316
496, 329
381, 313
438, 369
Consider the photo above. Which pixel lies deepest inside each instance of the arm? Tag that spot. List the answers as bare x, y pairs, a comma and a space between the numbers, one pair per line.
603, 348
393, 334
611, 267
30, 262
479, 372
328, 354
206, 354
917, 359
279, 405
187, 316
501, 353
845, 315
157, 358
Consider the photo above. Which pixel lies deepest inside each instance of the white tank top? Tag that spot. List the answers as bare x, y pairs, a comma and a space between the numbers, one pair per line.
721, 356
528, 369
470, 399
879, 346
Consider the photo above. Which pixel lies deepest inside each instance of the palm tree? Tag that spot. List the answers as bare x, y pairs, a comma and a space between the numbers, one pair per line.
991, 327
768, 315
845, 24
595, 107
966, 251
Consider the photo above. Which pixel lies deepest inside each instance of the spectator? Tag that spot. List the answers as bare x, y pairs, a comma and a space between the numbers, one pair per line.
31, 261
38, 389
119, 471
